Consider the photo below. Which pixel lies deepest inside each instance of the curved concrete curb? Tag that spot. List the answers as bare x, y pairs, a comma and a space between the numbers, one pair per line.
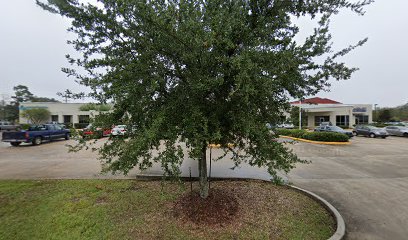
341, 226
316, 142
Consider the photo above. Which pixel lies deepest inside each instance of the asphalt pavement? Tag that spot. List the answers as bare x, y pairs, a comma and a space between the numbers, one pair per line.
366, 181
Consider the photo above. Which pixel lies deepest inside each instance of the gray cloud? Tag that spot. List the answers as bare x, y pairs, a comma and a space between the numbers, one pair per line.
33, 46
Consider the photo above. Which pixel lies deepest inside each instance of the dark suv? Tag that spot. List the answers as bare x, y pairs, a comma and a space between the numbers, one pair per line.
370, 131
334, 129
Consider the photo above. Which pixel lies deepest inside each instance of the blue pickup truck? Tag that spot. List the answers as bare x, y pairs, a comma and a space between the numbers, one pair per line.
36, 134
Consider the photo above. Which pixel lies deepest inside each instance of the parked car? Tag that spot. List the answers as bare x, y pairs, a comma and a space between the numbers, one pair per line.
36, 134
286, 125
8, 126
397, 130
333, 129
119, 130
325, 124
370, 131
92, 132
394, 123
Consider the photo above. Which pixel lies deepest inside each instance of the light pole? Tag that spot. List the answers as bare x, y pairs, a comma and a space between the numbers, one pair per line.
375, 112
300, 114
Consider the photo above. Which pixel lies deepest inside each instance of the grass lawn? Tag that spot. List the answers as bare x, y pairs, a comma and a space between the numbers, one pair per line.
130, 209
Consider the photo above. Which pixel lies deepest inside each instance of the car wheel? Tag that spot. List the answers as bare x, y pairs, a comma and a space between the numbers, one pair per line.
67, 136
37, 141
15, 144
383, 137
372, 135
355, 133
405, 135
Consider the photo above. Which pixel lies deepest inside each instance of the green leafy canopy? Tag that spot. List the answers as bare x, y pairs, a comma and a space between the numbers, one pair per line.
36, 115
201, 72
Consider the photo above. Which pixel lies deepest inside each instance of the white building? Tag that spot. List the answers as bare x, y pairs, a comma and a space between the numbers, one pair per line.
326, 110
317, 110
60, 112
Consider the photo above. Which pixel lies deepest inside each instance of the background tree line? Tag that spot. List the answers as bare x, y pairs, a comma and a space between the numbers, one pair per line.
9, 110
399, 113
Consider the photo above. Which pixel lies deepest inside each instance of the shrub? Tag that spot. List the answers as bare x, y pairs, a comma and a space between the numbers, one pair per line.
326, 137
25, 126
96, 107
68, 125
297, 133
80, 125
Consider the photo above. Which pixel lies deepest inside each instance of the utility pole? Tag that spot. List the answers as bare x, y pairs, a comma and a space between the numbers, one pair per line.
300, 114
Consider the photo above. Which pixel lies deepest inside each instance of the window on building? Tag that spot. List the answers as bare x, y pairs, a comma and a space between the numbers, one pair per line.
83, 118
54, 118
361, 119
342, 120
320, 119
67, 118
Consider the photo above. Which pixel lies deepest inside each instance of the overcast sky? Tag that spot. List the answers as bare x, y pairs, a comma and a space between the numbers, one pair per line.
33, 46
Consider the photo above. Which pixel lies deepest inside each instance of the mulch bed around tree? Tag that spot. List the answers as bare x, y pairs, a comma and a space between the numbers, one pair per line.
256, 208
219, 207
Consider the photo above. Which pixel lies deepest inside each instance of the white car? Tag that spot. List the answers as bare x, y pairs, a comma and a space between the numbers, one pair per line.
118, 130
286, 125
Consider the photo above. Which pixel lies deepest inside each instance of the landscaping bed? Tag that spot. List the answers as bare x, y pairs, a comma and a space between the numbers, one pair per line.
130, 209
313, 136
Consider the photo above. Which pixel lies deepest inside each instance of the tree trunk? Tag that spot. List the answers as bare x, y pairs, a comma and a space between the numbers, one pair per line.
202, 171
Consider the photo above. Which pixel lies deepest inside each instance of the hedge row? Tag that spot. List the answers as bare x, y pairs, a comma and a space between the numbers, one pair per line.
297, 133
326, 136
314, 136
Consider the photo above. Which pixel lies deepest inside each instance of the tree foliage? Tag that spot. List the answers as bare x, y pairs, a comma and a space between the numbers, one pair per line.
21, 94
68, 94
36, 115
201, 72
399, 113
294, 116
95, 107
384, 115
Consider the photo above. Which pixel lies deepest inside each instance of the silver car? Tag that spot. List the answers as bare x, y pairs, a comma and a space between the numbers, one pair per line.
397, 130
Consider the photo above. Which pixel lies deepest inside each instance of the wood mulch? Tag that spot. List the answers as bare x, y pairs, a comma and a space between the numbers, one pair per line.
220, 207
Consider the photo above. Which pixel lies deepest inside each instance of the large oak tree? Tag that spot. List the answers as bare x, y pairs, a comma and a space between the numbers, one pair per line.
201, 72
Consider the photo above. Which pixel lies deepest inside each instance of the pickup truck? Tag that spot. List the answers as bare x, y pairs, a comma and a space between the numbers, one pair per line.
36, 134
8, 126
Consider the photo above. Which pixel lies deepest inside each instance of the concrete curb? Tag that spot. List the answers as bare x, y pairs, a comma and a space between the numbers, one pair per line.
341, 226
340, 232
316, 142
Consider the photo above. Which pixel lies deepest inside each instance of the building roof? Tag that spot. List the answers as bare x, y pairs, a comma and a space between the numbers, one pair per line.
316, 100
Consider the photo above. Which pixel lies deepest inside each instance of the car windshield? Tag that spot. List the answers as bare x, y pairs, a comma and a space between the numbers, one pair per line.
36, 128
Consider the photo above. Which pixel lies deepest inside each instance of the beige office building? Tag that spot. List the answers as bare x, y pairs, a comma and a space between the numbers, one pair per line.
326, 110
317, 110
60, 112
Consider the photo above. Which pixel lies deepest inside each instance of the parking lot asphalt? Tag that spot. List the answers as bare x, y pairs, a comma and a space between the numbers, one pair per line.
366, 181
52, 160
